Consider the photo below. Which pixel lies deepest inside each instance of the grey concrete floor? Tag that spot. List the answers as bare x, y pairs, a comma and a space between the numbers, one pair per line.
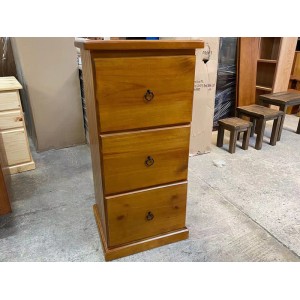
241, 207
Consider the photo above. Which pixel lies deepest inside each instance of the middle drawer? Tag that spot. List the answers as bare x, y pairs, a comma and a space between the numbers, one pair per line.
11, 119
146, 158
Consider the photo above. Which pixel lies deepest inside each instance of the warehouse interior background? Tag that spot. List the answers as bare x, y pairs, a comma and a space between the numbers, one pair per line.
243, 209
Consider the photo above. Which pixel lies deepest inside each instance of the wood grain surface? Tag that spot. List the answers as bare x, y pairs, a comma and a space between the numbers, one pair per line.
259, 111
139, 102
11, 119
121, 84
9, 83
285, 63
14, 146
282, 98
296, 65
127, 213
137, 44
22, 167
9, 100
125, 156
142, 245
265, 74
234, 122
269, 48
88, 82
246, 70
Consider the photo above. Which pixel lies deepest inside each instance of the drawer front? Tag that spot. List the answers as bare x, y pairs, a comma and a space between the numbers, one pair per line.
121, 91
9, 100
14, 147
11, 119
143, 159
143, 214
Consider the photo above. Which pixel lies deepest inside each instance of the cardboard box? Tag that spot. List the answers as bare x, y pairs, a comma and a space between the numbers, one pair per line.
204, 94
48, 70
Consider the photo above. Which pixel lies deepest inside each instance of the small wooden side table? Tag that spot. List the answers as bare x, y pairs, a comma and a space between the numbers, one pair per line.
283, 100
259, 115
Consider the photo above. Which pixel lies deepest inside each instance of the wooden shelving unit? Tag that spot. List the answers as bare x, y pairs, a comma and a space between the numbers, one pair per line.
264, 66
294, 83
268, 54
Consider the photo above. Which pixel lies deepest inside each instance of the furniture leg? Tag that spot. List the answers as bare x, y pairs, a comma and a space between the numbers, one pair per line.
246, 137
238, 135
261, 125
232, 143
256, 129
298, 129
220, 136
253, 126
275, 130
238, 115
282, 108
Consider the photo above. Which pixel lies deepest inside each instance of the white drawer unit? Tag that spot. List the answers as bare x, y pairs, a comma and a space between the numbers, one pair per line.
15, 153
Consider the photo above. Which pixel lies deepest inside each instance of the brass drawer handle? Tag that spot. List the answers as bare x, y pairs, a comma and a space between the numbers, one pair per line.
149, 161
149, 216
149, 96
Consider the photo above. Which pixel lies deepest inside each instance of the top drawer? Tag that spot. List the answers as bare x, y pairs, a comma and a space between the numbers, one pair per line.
9, 100
141, 92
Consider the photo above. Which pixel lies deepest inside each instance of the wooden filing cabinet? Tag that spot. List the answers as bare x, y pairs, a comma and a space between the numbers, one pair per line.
15, 153
139, 97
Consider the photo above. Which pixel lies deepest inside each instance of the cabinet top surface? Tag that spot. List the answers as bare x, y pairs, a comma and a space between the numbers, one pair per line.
138, 44
9, 83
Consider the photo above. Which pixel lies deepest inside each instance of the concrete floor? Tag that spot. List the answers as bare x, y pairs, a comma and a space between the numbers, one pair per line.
241, 207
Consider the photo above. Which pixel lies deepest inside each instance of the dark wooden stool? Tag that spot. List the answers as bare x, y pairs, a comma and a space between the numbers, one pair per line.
260, 115
235, 126
283, 100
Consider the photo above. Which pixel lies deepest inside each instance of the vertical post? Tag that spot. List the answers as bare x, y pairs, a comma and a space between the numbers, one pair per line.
275, 130
220, 136
232, 143
246, 137
282, 108
261, 125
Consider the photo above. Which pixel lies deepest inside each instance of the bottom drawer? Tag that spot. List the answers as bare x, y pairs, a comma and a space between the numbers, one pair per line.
141, 214
14, 147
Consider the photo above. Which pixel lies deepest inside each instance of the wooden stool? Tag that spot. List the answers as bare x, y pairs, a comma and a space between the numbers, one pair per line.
260, 115
235, 126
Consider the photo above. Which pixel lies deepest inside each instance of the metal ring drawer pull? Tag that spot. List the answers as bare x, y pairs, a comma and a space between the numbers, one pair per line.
149, 161
149, 216
149, 96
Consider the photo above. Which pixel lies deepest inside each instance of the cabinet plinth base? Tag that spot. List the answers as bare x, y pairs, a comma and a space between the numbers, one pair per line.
23, 167
139, 246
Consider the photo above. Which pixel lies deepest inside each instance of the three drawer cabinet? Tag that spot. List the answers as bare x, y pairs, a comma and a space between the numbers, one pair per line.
139, 97
15, 153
